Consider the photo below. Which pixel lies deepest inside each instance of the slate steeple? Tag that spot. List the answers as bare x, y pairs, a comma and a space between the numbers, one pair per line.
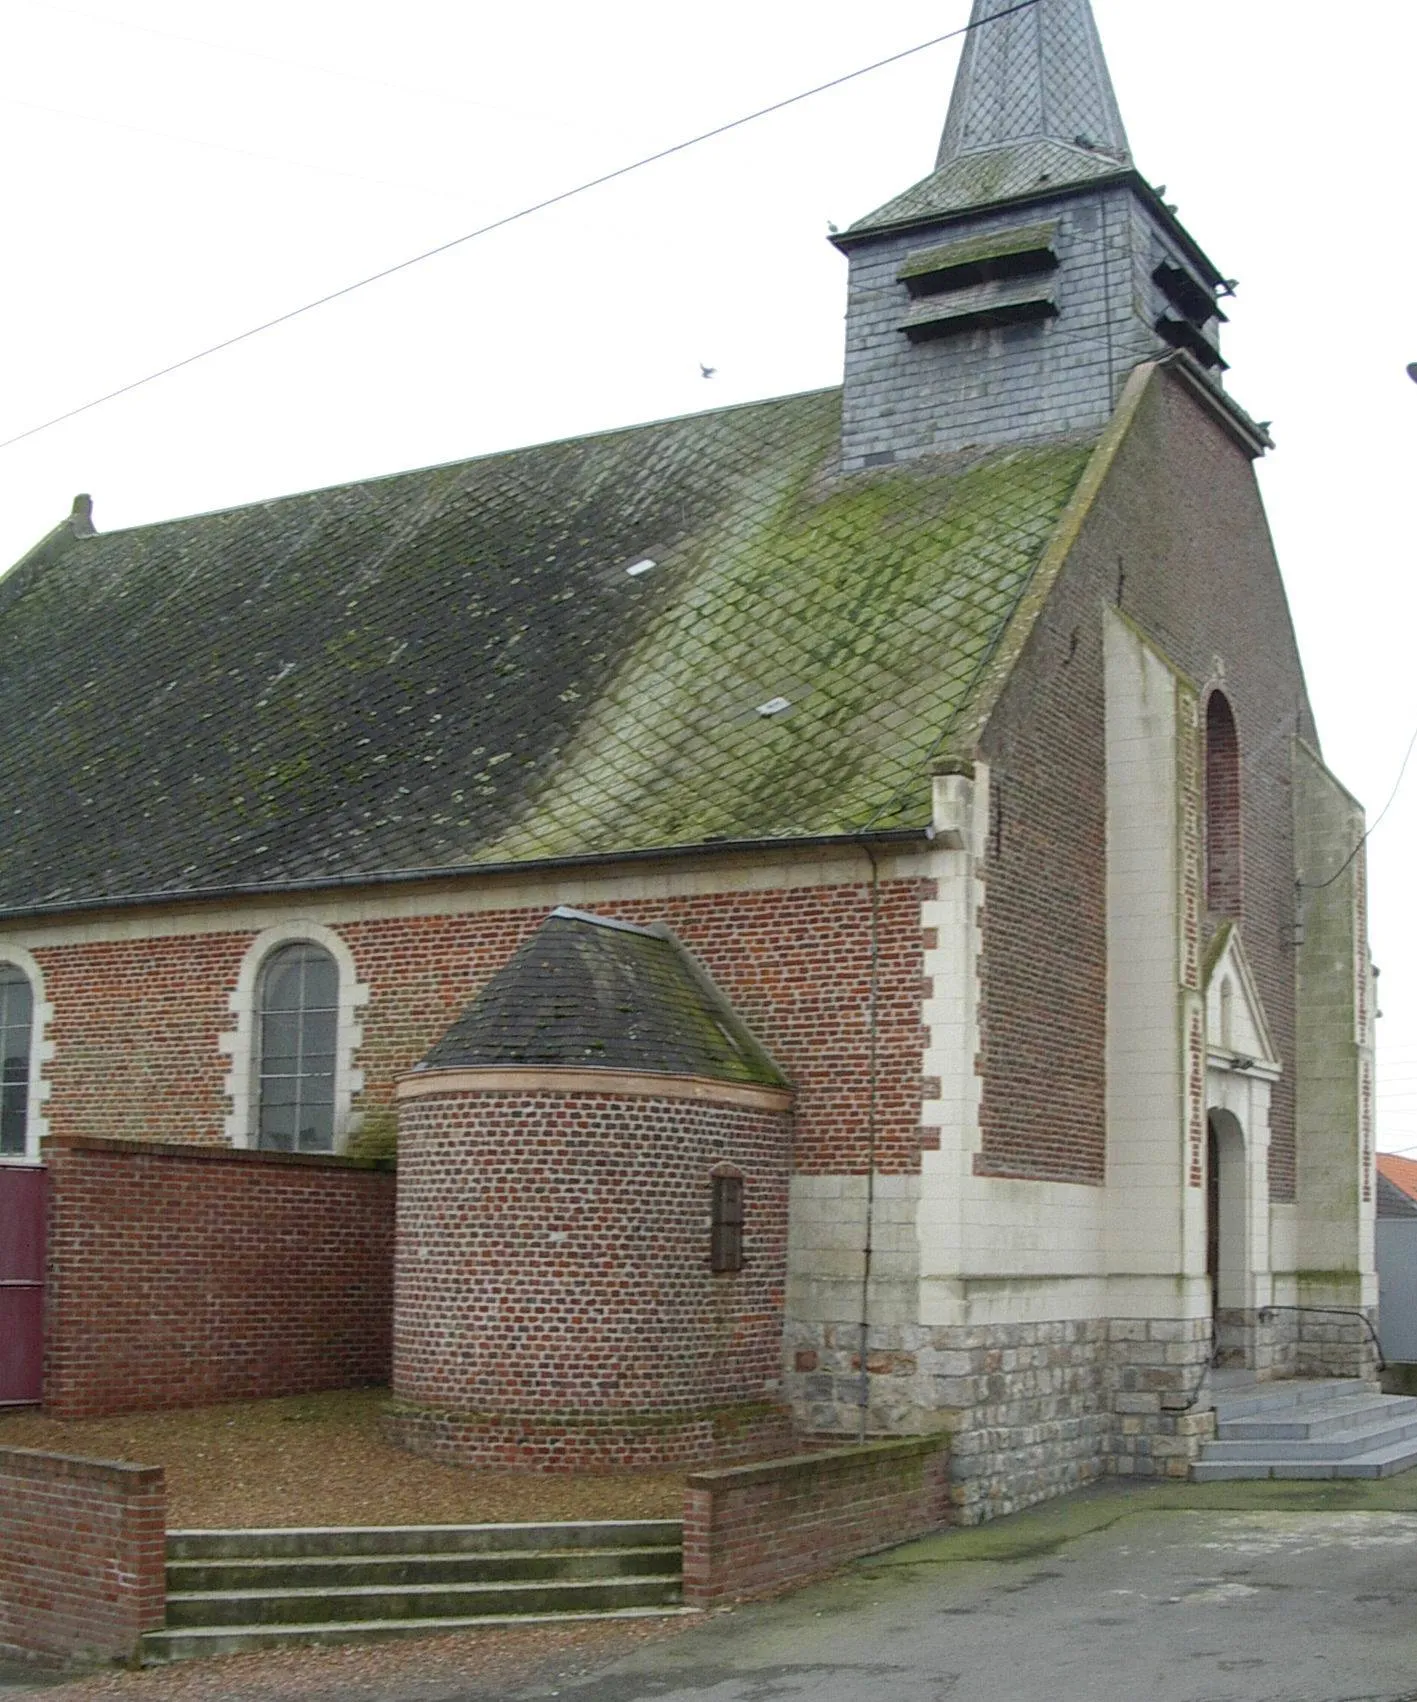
1007, 296
1036, 75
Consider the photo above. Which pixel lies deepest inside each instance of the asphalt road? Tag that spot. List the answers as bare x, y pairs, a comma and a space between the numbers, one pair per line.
1162, 1606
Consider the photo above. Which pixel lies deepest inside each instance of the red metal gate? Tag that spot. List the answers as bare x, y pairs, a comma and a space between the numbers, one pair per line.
22, 1226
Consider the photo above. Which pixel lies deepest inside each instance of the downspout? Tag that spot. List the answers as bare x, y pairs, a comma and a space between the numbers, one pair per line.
872, 1095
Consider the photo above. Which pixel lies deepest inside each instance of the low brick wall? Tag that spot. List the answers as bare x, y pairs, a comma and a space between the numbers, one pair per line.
82, 1555
754, 1530
183, 1275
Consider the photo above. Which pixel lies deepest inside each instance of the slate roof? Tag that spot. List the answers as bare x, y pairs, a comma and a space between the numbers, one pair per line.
454, 667
1022, 171
1033, 111
586, 992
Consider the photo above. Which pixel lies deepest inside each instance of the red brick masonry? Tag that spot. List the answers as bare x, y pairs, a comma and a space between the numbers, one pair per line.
183, 1275
82, 1554
754, 1530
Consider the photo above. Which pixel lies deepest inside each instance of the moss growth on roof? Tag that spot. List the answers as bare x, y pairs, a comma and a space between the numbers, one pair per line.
454, 666
994, 245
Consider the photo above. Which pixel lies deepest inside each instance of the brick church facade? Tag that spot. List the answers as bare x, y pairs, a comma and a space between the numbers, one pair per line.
899, 807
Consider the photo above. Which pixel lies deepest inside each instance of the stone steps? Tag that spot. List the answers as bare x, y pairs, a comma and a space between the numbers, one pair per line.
1327, 1428
234, 1590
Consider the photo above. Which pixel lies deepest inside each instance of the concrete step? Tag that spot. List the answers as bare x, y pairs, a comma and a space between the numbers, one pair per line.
419, 1539
1327, 1428
211, 1608
1337, 1445
1303, 1423
390, 1571
1380, 1462
1291, 1392
177, 1645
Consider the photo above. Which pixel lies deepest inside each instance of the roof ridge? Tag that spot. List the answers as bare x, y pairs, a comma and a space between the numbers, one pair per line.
372, 481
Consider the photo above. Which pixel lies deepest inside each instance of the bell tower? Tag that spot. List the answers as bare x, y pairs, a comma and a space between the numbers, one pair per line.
1006, 297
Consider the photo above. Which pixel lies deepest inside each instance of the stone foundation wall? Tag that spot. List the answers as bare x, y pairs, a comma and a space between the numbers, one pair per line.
1037, 1409
1336, 1344
1163, 1415
1264, 1341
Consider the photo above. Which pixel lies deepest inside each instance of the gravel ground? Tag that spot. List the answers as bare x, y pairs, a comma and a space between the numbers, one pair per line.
322, 1460
471, 1666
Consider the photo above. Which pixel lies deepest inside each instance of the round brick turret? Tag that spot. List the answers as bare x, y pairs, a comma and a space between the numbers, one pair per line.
573, 1289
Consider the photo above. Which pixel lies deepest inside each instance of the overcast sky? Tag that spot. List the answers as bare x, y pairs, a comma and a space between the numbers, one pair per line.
180, 170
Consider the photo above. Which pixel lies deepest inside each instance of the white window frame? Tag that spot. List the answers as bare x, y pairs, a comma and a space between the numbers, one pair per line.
41, 1053
242, 1085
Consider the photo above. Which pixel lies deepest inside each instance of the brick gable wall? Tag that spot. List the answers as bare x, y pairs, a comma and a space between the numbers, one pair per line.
1178, 540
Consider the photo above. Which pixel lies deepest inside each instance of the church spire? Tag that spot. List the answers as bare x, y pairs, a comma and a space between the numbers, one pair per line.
1033, 110
1033, 74
1006, 297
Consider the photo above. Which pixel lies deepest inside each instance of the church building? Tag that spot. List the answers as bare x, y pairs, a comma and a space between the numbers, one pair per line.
837, 904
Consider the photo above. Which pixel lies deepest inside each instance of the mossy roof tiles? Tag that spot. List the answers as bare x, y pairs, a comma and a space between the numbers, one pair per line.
588, 993
453, 667
1021, 171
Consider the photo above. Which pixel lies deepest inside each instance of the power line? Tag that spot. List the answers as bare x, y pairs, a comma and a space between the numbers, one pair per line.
501, 224
1320, 886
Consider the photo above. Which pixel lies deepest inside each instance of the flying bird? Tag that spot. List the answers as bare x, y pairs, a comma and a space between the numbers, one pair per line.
708, 371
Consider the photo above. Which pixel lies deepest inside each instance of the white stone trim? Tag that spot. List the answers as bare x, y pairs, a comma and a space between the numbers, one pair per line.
239, 1043
1246, 1260
41, 1053
1155, 1221
473, 894
1248, 1045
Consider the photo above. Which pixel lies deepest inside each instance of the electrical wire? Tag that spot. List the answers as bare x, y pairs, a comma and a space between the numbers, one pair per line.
1321, 886
502, 223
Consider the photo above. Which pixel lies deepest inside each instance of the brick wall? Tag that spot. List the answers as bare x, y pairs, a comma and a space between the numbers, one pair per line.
185, 1275
756, 1530
554, 1301
1177, 540
82, 1554
137, 1022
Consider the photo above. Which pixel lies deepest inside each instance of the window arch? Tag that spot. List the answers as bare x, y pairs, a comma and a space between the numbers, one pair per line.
16, 1044
23, 1053
297, 1046
292, 1081
1222, 808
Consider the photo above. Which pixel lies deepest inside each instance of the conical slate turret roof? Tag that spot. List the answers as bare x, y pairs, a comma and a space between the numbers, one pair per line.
1033, 110
586, 992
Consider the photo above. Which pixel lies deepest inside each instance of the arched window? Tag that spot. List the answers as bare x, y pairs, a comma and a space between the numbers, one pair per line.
1222, 808
16, 1043
297, 1036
